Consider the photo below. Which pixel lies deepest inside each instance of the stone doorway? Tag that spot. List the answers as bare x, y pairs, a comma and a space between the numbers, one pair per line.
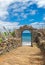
19, 32
26, 38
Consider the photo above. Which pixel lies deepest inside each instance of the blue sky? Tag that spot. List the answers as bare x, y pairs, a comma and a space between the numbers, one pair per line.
16, 13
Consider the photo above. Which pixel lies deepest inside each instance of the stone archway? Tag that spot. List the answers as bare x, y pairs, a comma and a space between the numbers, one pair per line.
25, 27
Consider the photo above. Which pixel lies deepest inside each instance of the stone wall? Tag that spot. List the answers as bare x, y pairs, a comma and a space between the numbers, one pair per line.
9, 44
37, 36
21, 29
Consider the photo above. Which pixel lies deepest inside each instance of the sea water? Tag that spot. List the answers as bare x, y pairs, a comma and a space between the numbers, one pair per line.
26, 38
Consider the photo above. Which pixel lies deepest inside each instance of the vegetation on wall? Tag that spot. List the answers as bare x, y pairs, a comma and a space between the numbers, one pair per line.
13, 33
1, 40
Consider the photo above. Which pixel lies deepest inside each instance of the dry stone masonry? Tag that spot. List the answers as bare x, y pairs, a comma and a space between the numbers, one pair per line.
38, 36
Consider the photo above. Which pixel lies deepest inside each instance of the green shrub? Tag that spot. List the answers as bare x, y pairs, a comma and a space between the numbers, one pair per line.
5, 33
0, 40
13, 34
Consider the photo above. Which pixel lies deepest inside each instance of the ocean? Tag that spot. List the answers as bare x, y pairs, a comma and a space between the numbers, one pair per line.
26, 38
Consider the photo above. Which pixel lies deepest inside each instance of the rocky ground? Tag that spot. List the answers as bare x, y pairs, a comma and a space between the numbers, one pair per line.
24, 55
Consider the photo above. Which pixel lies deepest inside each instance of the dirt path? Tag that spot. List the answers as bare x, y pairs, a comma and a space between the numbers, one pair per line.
23, 56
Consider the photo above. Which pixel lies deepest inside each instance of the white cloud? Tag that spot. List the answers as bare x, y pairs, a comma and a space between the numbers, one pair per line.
25, 3
33, 12
38, 25
8, 25
44, 18
40, 3
5, 3
31, 20
3, 8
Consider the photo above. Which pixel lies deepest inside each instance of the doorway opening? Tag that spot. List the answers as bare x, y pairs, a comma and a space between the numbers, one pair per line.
26, 38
